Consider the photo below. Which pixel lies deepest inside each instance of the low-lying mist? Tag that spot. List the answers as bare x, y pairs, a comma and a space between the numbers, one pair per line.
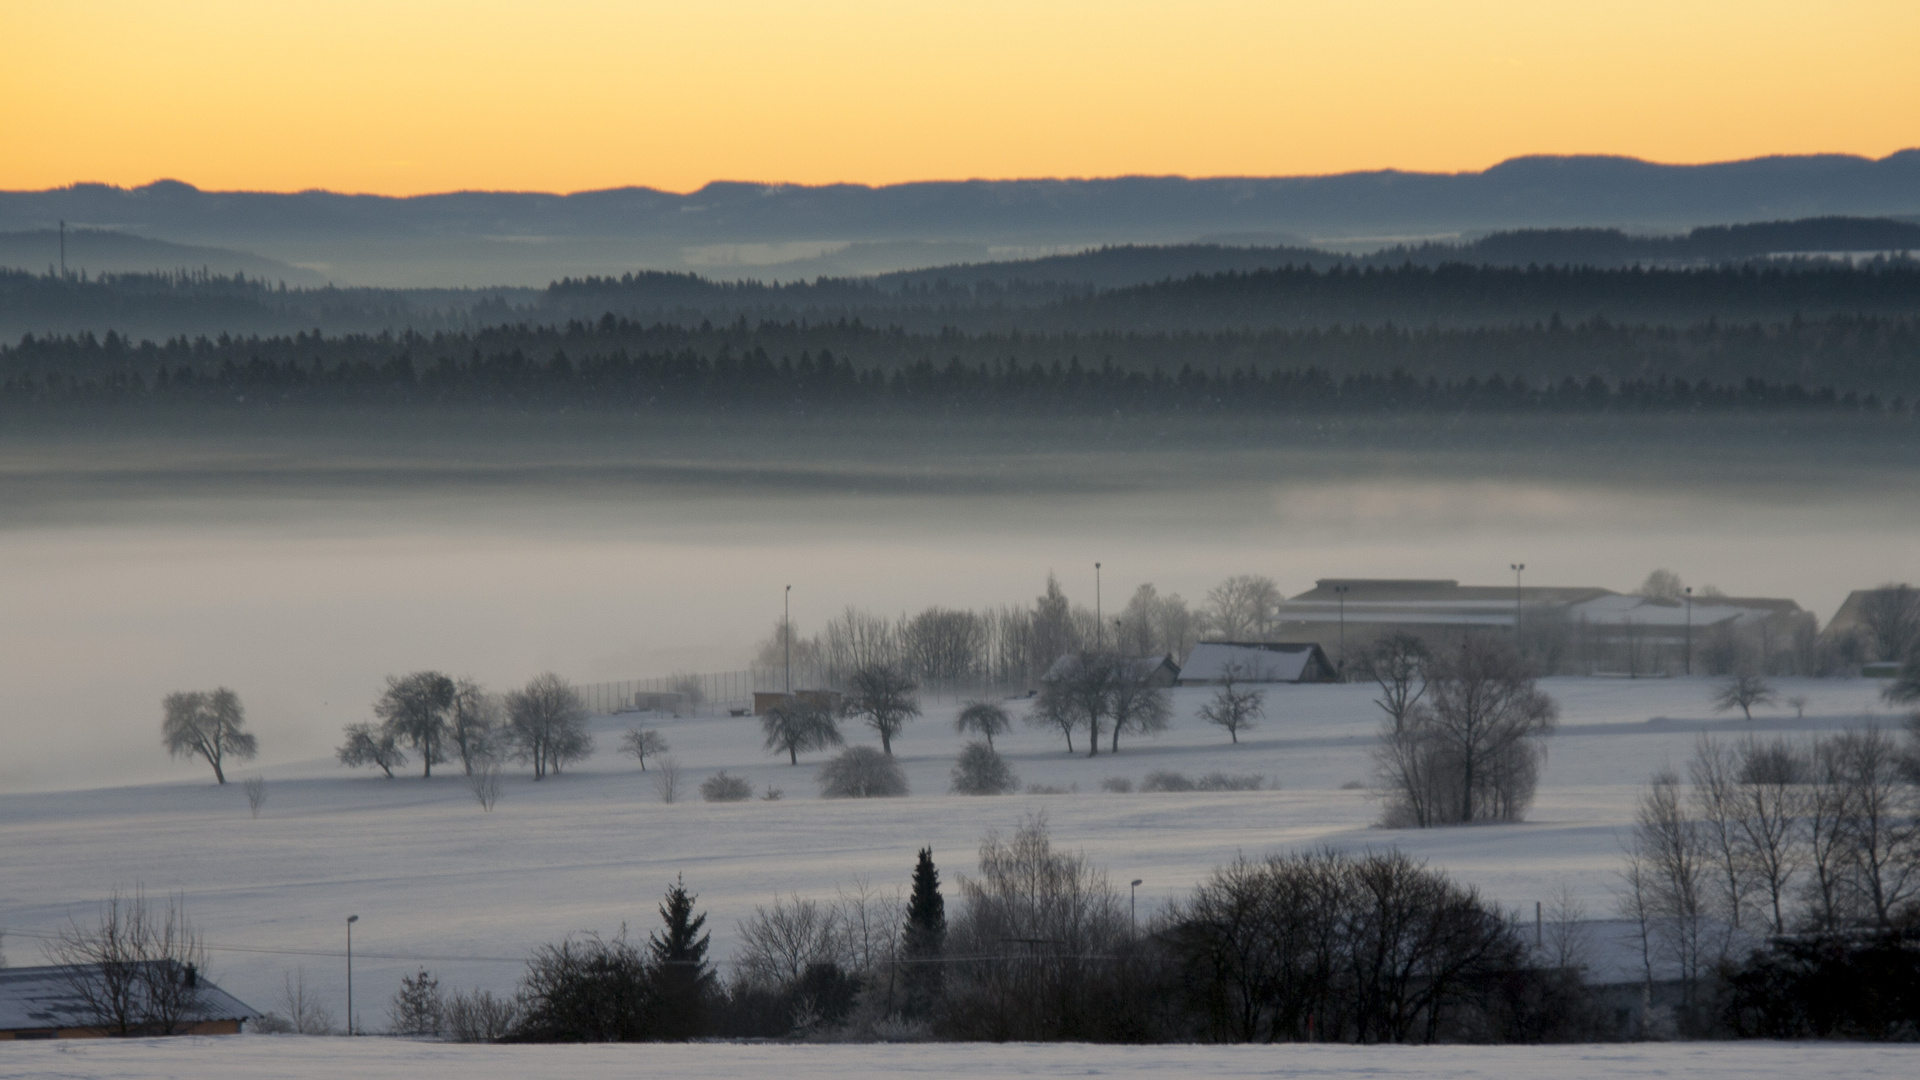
299, 558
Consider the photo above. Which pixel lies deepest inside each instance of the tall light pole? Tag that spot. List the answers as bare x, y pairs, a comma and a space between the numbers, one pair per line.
786, 634
1340, 592
351, 919
1517, 568
1688, 654
1133, 894
1099, 624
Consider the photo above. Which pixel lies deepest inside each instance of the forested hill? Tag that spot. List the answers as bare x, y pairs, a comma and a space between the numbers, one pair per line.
1840, 362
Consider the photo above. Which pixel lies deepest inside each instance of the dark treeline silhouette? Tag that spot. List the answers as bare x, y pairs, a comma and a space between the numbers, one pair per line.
542, 370
1293, 292
617, 361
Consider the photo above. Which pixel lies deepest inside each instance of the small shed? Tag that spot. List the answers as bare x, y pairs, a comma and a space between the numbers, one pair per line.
47, 1003
1257, 661
662, 701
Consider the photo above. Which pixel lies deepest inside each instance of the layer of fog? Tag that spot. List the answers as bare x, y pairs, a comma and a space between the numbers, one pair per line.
301, 572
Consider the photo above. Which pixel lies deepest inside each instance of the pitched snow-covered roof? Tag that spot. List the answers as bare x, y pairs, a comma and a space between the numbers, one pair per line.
1252, 661
36, 998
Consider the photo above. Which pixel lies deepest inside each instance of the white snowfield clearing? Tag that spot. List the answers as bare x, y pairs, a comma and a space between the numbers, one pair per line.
438, 884
274, 1057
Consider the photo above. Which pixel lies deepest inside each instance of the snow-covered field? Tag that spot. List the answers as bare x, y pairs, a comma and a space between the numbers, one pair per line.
276, 1057
439, 884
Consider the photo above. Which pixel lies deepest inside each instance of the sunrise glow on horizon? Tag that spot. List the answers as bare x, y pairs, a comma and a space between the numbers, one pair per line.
414, 96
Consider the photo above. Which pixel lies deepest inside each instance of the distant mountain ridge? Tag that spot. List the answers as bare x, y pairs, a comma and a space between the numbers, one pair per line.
473, 238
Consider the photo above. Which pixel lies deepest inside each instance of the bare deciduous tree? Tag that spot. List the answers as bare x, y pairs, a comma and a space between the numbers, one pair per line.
1234, 707
474, 725
1034, 922
1242, 607
643, 743
415, 709
1662, 585
884, 697
477, 1016
666, 780
484, 782
779, 943
1665, 890
136, 970
368, 745
1398, 663
1890, 615
207, 724
985, 719
302, 1009
1770, 803
1473, 753
1135, 704
1053, 709
1881, 826
256, 789
799, 726
1743, 690
547, 721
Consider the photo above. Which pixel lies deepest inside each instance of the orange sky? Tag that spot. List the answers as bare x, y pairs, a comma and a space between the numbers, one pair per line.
408, 96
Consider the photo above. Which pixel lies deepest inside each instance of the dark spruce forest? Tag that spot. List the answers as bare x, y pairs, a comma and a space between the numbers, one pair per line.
1820, 315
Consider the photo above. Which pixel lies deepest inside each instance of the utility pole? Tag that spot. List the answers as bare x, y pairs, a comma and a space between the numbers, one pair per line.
351, 919
1133, 921
786, 634
63, 247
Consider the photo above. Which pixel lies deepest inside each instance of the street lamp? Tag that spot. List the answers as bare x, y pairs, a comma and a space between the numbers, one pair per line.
1099, 625
1340, 592
1133, 922
1517, 569
1689, 650
786, 634
351, 919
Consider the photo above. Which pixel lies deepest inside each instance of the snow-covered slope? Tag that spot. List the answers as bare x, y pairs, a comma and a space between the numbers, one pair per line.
440, 884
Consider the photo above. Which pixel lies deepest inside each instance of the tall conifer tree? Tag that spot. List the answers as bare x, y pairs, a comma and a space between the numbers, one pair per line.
683, 979
925, 938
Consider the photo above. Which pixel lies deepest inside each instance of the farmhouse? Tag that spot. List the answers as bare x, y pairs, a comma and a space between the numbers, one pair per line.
53, 1003
1251, 661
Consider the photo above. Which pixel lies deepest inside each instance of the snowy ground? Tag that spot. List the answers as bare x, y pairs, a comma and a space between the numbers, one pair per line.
277, 1057
442, 885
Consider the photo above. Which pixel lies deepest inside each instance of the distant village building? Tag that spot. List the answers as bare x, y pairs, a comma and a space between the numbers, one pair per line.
1254, 661
44, 1003
1593, 630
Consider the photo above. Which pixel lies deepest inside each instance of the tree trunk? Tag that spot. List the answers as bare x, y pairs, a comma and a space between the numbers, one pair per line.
219, 776
793, 757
